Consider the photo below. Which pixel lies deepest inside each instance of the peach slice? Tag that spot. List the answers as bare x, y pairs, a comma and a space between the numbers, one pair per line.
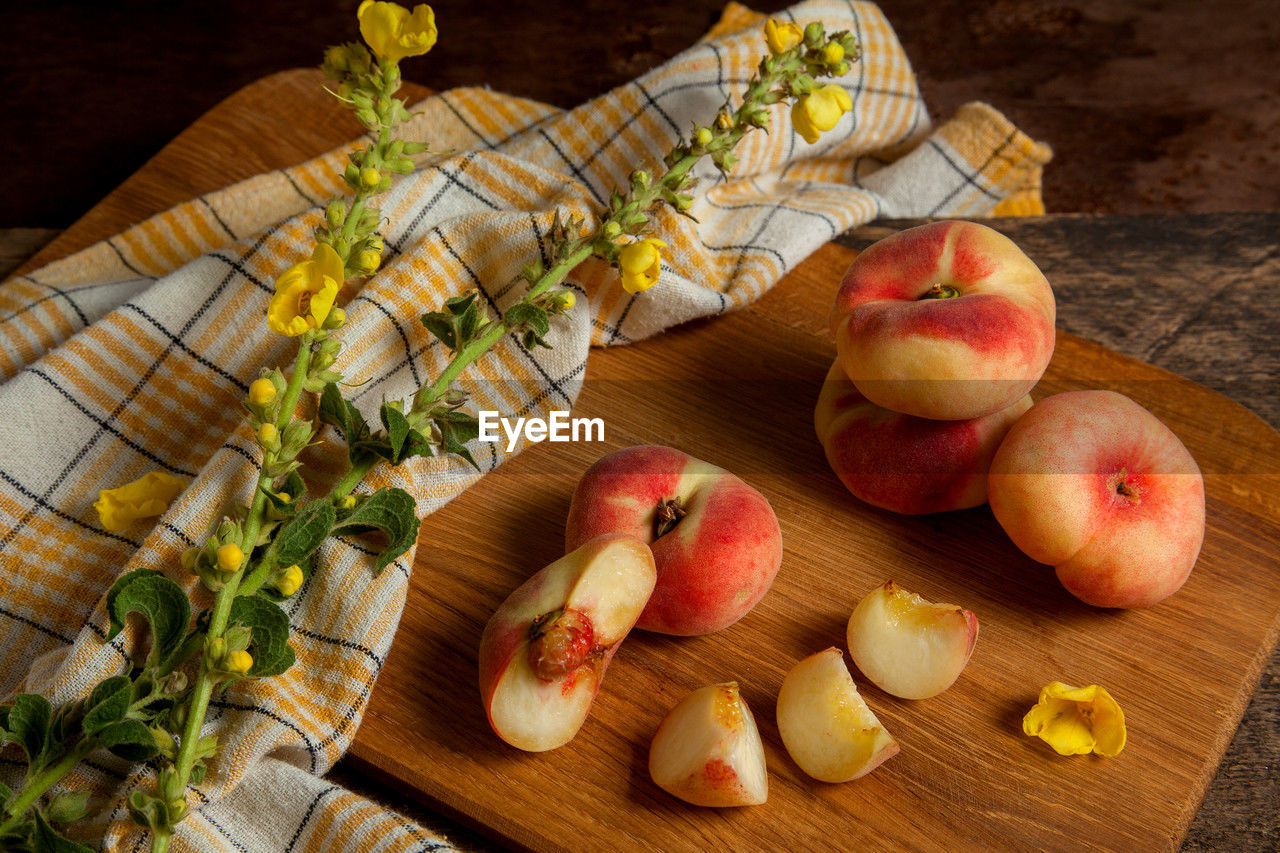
707, 751
907, 646
825, 725
546, 647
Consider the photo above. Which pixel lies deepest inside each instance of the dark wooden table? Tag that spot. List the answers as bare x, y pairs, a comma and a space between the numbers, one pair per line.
1164, 116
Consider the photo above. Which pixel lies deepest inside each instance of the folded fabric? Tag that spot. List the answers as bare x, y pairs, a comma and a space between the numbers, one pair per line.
134, 354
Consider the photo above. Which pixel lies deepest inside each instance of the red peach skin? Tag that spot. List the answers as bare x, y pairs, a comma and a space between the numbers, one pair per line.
944, 358
903, 463
1095, 485
716, 563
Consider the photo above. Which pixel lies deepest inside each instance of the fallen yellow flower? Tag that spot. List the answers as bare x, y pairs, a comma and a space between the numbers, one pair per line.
149, 495
1077, 720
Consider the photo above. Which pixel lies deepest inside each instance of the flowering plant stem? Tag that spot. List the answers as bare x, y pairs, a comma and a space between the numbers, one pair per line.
255, 556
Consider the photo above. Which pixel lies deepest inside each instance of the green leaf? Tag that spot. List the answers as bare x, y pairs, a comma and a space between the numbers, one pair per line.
339, 413
456, 429
303, 533
441, 325
529, 316
160, 600
392, 511
397, 430
27, 725
46, 840
129, 739
270, 626
108, 703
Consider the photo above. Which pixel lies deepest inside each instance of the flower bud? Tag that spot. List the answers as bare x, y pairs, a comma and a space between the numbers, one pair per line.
840, 69
611, 229
702, 136
640, 178
177, 808
238, 662
369, 260
832, 53
566, 299
289, 581
335, 213
813, 34
374, 243
189, 558
336, 320
217, 649
230, 557
370, 177
268, 436
347, 502
261, 391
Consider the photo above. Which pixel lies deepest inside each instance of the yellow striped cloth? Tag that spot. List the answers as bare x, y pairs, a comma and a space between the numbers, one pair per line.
133, 355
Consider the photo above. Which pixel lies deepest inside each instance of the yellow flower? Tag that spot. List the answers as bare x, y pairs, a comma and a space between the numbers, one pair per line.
820, 110
1077, 720
781, 37
394, 32
639, 263
305, 293
261, 391
238, 662
145, 497
289, 580
230, 557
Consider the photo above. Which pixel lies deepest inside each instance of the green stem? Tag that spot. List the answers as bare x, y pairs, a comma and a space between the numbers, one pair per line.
202, 691
37, 785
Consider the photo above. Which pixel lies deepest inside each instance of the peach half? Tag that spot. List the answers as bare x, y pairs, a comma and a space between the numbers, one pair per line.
545, 649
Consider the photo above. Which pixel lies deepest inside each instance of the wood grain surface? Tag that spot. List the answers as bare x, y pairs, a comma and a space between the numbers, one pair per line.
739, 391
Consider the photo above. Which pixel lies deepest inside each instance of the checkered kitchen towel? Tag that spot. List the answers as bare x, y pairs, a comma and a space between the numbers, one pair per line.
133, 356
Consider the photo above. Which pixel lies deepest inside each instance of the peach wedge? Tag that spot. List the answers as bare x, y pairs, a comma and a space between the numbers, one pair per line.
707, 750
909, 647
825, 725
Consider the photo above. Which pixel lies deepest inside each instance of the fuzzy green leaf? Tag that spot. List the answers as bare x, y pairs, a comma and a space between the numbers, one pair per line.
27, 724
303, 533
336, 411
270, 626
456, 429
529, 316
129, 739
392, 511
108, 703
160, 600
397, 426
45, 840
441, 325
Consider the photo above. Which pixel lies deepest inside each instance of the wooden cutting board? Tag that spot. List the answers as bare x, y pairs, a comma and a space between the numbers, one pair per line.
739, 391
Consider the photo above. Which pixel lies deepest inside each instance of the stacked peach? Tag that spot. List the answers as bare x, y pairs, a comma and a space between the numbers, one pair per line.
941, 331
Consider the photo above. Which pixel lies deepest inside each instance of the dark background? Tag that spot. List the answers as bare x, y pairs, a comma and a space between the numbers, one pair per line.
1149, 106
